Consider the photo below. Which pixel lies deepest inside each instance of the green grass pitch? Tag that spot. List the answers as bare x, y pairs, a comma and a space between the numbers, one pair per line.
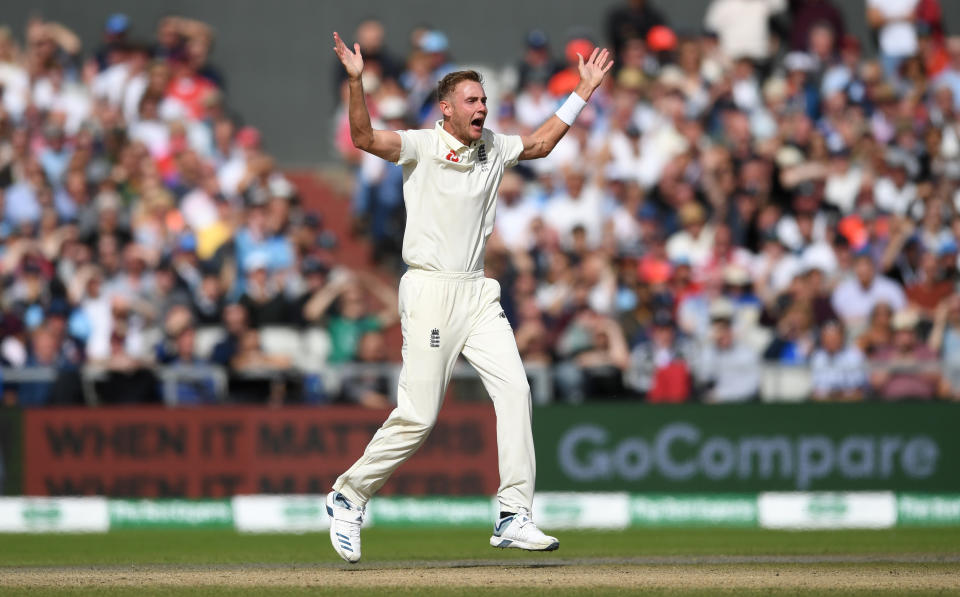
932, 550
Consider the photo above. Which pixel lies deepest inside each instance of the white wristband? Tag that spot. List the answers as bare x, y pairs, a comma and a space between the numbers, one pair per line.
570, 109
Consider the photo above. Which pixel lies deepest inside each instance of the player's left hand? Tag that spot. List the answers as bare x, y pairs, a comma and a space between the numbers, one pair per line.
593, 70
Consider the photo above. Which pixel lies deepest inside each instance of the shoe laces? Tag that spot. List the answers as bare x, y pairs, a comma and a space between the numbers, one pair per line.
351, 527
523, 517
355, 520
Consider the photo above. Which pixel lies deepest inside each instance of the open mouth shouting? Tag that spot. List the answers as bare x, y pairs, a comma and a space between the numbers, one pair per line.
476, 126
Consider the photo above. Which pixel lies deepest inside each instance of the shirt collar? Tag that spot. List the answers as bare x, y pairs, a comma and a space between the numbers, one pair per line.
451, 141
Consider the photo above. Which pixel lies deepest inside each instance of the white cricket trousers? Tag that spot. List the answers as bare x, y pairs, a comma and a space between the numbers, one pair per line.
443, 315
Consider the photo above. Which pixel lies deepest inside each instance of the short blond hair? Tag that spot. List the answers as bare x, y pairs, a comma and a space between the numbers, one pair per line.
447, 84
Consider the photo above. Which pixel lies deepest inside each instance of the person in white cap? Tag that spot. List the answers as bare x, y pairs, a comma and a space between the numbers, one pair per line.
447, 307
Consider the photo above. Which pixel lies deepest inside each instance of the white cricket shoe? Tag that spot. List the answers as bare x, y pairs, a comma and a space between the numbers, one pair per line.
519, 531
345, 521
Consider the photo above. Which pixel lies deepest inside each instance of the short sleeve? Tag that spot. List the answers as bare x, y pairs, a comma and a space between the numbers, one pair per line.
409, 148
511, 146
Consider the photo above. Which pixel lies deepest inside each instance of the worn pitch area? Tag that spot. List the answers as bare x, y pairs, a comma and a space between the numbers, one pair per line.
452, 562
854, 573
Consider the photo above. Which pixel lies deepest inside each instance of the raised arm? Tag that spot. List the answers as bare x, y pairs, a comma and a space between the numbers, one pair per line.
383, 144
542, 141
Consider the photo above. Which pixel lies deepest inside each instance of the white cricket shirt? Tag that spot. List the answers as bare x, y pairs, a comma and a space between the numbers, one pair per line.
450, 191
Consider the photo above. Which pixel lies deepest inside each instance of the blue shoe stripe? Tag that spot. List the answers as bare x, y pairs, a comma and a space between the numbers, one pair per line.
501, 524
505, 543
342, 536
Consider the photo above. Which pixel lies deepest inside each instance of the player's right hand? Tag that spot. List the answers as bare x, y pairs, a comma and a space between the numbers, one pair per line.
352, 61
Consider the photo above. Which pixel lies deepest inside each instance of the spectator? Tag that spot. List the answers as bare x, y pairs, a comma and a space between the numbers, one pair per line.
115, 39
633, 20
537, 64
263, 297
807, 14
908, 369
315, 278
376, 57
773, 269
565, 80
256, 375
949, 78
55, 157
578, 205
188, 90
378, 199
795, 337
893, 24
838, 369
42, 353
69, 349
352, 316
844, 179
534, 102
944, 341
660, 367
944, 337
854, 298
209, 299
812, 287
694, 242
532, 334
895, 193
177, 320
13, 76
930, 289
728, 368
178, 350
435, 63
594, 355
129, 378
236, 323
878, 335
743, 26
22, 199
369, 388
515, 213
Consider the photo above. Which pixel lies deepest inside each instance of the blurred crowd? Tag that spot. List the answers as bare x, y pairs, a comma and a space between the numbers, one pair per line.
143, 224
758, 193
755, 193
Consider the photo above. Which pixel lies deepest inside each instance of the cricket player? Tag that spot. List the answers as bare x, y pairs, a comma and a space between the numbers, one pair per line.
447, 307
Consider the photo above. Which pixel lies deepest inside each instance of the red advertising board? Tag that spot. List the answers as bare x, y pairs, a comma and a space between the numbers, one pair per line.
213, 452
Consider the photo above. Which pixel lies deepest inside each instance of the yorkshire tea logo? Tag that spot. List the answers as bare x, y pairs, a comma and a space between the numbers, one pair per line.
567, 510
827, 506
41, 514
302, 510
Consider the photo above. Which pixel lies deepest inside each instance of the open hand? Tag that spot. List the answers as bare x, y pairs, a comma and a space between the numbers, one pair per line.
593, 70
352, 61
